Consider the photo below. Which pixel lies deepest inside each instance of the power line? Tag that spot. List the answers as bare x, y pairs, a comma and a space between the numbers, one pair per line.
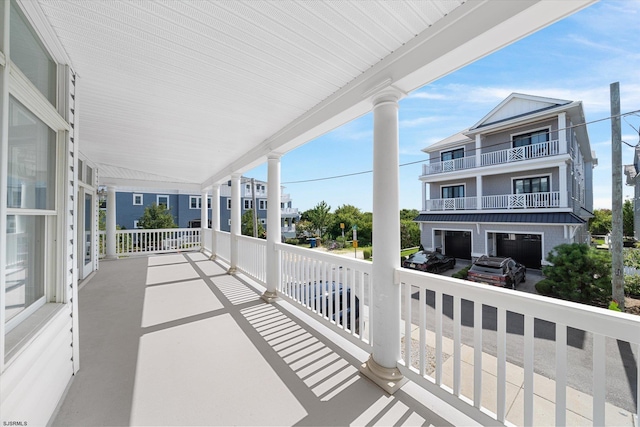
635, 112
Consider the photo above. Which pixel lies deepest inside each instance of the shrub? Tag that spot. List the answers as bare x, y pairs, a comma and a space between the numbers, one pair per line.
579, 273
462, 274
366, 253
544, 287
632, 285
292, 241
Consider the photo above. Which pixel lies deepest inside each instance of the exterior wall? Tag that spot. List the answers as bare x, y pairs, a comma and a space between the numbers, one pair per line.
469, 189
502, 140
39, 353
180, 208
503, 184
469, 150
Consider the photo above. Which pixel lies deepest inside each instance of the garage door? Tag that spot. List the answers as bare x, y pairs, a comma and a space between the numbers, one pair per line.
524, 248
457, 244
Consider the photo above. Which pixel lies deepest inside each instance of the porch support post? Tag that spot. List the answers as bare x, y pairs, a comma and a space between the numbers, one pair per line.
381, 367
111, 223
204, 216
564, 196
273, 229
562, 133
235, 222
479, 192
215, 219
424, 196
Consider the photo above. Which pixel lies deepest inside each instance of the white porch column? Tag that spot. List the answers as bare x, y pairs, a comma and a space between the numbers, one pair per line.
215, 219
562, 133
479, 192
273, 229
424, 196
564, 192
235, 221
111, 223
204, 216
382, 364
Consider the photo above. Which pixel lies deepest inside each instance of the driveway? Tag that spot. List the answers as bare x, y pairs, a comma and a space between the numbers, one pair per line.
533, 276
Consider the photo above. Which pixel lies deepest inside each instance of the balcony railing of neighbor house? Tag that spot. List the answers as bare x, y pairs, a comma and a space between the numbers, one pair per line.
534, 151
522, 201
447, 304
152, 241
501, 201
449, 165
289, 211
452, 204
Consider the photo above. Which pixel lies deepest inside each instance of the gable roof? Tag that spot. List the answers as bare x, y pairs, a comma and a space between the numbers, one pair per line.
451, 141
518, 105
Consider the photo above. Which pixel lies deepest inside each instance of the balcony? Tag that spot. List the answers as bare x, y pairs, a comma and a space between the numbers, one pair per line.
289, 212
191, 345
502, 201
518, 154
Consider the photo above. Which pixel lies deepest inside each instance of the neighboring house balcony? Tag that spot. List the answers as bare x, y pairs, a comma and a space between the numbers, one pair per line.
517, 154
502, 201
289, 212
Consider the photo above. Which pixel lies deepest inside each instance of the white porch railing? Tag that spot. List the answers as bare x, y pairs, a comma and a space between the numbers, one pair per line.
449, 165
452, 204
152, 241
289, 211
522, 201
253, 261
306, 276
602, 326
224, 245
533, 151
438, 310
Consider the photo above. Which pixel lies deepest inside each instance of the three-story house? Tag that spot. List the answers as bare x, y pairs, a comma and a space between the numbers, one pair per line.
517, 183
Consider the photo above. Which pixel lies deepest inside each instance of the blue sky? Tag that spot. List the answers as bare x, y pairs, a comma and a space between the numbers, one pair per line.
575, 59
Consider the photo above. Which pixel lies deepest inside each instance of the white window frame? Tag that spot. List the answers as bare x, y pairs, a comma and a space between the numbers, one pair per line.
248, 202
136, 223
229, 222
208, 202
262, 205
537, 175
141, 199
159, 196
198, 202
228, 203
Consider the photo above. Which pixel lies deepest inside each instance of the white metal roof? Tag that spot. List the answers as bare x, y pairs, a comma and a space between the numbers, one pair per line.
197, 90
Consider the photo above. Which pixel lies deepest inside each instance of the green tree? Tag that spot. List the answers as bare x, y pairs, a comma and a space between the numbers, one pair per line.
409, 214
627, 218
578, 273
319, 216
155, 217
246, 225
601, 222
409, 234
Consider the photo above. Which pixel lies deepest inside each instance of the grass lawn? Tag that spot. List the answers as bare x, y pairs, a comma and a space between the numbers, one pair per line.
407, 252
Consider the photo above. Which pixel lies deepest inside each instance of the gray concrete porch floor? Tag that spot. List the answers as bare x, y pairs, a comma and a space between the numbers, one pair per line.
174, 340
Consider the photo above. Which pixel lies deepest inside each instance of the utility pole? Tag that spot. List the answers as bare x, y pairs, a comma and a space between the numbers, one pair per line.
615, 243
255, 208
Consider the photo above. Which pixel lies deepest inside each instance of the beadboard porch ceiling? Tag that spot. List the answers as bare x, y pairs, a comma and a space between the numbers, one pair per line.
197, 90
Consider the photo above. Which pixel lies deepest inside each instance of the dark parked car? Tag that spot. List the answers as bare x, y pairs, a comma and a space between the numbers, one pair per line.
433, 262
333, 302
497, 271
